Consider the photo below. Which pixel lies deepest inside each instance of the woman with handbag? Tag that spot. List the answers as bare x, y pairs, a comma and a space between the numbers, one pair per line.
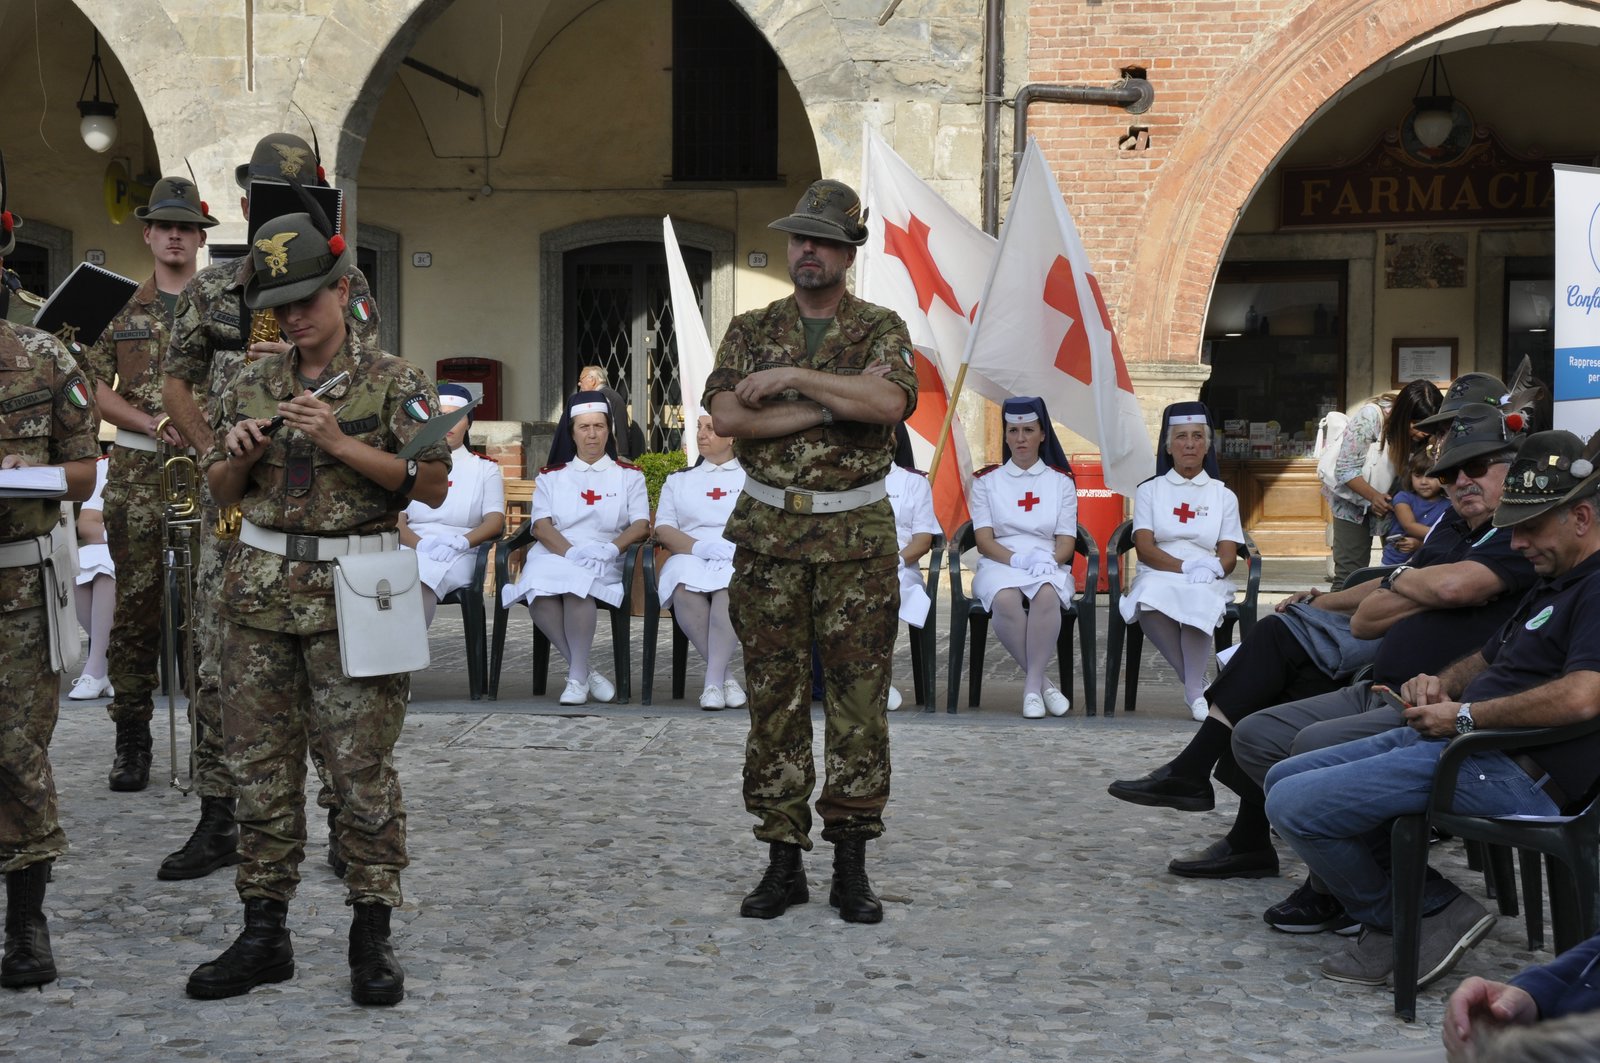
447, 537
1373, 452
694, 508
318, 481
1025, 521
587, 509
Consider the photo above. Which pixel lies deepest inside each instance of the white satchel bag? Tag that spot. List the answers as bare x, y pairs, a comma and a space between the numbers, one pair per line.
379, 602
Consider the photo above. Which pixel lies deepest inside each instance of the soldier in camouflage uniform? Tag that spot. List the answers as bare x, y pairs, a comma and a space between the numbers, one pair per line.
811, 388
126, 365
328, 481
46, 417
211, 341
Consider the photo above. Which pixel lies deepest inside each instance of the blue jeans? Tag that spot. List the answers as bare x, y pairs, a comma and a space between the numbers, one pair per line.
1333, 807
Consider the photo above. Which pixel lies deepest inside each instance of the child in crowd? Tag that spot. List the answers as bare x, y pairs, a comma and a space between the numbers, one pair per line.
1416, 510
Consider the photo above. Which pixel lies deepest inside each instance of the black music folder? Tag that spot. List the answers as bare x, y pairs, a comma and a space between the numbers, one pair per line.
274, 199
79, 310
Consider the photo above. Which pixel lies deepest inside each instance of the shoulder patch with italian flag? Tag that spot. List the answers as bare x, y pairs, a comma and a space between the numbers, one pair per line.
77, 391
418, 408
362, 310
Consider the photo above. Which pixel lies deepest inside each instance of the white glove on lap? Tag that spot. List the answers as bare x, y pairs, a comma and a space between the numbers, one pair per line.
718, 549
1043, 568
1028, 559
1196, 570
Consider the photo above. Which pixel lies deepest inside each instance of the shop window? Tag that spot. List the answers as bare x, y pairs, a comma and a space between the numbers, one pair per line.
1275, 338
1530, 302
724, 95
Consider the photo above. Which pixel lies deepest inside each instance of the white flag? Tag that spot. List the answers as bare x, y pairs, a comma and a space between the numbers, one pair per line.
928, 263
689, 329
1043, 329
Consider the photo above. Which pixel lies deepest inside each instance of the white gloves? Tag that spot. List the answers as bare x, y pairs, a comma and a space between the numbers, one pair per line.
602, 552
1035, 562
444, 547
1203, 569
718, 549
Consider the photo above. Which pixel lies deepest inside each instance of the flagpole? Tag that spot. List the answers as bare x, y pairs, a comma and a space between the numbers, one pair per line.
944, 429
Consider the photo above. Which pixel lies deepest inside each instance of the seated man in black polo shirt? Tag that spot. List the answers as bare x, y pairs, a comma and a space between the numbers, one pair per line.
1461, 584
1541, 669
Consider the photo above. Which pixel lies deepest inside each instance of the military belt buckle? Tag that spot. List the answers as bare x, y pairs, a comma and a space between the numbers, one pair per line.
301, 547
797, 501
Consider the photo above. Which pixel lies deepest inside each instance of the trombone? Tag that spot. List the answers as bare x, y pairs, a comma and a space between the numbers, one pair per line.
180, 531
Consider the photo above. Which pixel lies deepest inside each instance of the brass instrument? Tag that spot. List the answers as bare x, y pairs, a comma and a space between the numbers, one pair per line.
180, 528
264, 327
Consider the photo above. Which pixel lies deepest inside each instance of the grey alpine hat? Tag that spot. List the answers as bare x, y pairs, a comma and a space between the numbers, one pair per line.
1478, 429
1464, 389
176, 199
278, 157
1552, 469
829, 210
291, 260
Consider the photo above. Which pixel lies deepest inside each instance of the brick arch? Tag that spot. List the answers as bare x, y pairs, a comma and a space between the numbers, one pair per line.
1235, 136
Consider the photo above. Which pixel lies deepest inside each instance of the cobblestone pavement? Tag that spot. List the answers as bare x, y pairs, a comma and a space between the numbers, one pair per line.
575, 883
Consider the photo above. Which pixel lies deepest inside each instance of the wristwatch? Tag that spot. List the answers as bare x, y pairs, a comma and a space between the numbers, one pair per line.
411, 478
1394, 574
1464, 724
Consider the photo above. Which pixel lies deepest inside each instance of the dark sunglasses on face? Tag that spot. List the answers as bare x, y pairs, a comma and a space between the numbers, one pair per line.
1475, 469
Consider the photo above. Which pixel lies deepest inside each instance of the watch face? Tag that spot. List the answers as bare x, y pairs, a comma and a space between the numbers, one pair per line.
1463, 724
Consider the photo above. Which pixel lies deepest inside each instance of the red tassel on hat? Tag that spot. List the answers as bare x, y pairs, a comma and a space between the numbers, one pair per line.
322, 175
336, 244
1515, 423
7, 220
204, 209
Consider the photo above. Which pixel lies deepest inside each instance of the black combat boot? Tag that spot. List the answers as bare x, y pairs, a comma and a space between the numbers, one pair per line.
783, 884
336, 858
262, 953
375, 975
852, 893
28, 960
214, 843
130, 769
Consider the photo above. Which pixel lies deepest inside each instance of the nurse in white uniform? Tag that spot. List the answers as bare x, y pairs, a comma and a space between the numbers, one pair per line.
587, 509
473, 512
96, 592
694, 507
914, 528
1186, 533
1025, 516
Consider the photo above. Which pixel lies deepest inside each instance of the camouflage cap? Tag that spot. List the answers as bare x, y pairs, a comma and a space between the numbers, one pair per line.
292, 259
1551, 470
830, 210
278, 157
1468, 387
176, 199
1476, 430
9, 222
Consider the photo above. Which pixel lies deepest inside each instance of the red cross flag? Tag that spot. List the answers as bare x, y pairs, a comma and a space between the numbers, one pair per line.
689, 332
926, 262
1044, 330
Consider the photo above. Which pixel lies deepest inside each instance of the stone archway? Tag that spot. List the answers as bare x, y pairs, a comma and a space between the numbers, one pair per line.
1236, 134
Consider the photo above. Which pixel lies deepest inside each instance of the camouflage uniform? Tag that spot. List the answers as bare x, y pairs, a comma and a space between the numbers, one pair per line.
286, 689
830, 576
210, 335
128, 358
47, 416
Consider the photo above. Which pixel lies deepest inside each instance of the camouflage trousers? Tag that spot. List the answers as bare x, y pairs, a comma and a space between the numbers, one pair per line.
30, 696
212, 778
778, 607
287, 695
133, 514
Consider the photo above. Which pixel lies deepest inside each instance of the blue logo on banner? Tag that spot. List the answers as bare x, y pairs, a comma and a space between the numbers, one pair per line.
1577, 372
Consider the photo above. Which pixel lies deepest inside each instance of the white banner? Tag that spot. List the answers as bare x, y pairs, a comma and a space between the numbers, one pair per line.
1576, 382
694, 346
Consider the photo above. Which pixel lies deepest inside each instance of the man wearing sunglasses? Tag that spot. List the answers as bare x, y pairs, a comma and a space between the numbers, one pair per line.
1461, 584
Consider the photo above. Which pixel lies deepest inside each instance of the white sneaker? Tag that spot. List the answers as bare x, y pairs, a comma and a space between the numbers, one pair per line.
576, 693
90, 688
601, 687
712, 698
895, 700
1032, 707
733, 694
1058, 703
1199, 710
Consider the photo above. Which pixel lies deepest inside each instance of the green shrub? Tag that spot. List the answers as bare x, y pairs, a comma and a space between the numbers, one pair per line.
657, 467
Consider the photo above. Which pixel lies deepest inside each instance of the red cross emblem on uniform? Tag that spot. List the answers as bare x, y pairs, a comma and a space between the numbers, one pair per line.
716, 494
589, 497
1184, 513
1028, 501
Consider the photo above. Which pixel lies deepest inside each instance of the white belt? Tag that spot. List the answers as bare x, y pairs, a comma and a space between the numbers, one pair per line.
25, 552
135, 440
795, 500
316, 547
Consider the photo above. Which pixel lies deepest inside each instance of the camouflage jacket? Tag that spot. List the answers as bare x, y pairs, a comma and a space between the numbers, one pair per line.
47, 415
298, 487
836, 458
127, 357
211, 329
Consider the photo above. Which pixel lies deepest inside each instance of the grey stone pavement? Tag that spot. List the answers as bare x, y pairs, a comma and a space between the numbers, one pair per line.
575, 882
